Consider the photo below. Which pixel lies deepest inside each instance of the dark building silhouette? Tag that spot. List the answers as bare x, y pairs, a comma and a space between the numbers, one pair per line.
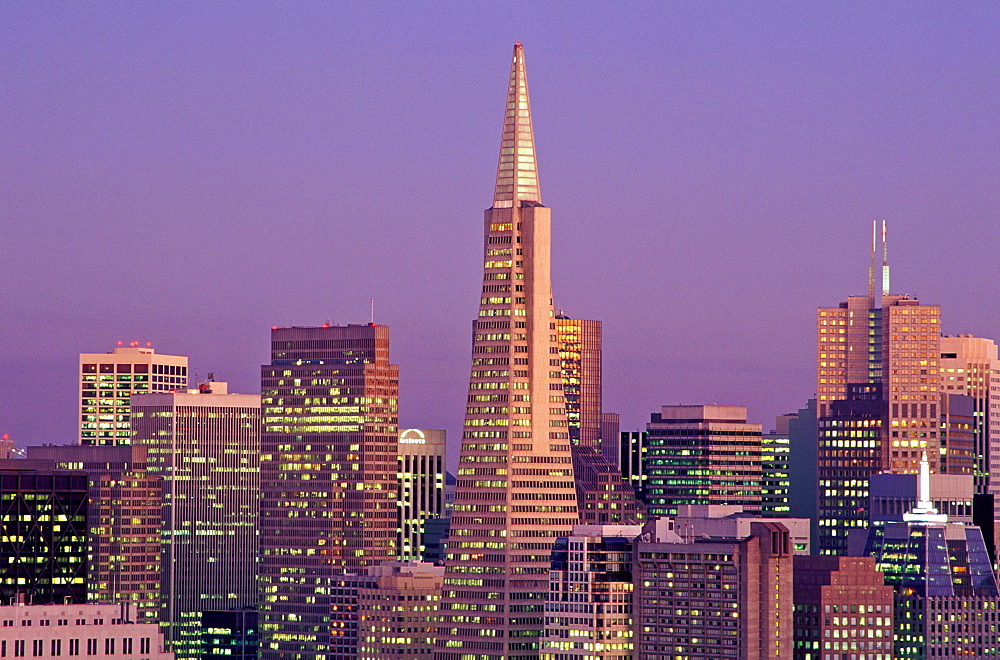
43, 535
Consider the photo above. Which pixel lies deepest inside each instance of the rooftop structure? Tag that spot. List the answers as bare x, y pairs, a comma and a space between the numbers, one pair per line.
107, 380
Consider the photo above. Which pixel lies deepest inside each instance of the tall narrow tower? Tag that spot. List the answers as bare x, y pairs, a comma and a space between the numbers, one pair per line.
328, 480
878, 396
515, 493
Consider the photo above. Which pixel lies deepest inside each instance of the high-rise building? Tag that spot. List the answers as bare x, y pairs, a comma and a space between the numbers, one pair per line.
713, 598
729, 521
850, 438
515, 493
229, 634
124, 510
602, 495
632, 450
421, 488
588, 614
580, 362
610, 437
802, 468
397, 612
842, 607
892, 496
205, 444
970, 367
958, 434
882, 352
946, 593
775, 463
329, 460
702, 455
107, 380
43, 534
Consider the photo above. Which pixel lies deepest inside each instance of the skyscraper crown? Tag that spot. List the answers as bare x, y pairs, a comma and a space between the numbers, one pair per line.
517, 170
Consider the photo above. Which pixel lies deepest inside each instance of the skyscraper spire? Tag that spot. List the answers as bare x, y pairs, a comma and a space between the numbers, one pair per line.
517, 169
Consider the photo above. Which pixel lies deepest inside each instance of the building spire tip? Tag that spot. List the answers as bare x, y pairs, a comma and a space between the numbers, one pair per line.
517, 170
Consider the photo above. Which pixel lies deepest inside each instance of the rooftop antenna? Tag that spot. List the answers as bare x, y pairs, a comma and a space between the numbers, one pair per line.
885, 263
871, 269
373, 311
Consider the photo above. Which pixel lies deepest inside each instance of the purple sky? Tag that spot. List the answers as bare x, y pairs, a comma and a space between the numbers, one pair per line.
193, 173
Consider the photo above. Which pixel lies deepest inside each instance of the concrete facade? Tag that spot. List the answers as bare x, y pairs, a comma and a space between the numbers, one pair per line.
107, 380
53, 632
842, 606
709, 599
421, 488
205, 445
515, 493
588, 613
702, 454
397, 614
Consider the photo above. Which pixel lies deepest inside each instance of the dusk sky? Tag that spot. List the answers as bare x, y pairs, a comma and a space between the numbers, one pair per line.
191, 174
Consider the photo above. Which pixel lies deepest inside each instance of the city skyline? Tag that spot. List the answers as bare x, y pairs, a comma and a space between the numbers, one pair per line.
741, 176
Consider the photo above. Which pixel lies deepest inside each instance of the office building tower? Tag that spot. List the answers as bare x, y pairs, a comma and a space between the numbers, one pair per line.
602, 495
712, 598
204, 443
398, 613
610, 437
850, 438
124, 510
842, 607
580, 362
958, 434
43, 534
229, 634
775, 452
53, 632
421, 488
515, 493
882, 352
803, 474
435, 537
969, 366
946, 598
632, 450
107, 380
329, 460
702, 455
588, 613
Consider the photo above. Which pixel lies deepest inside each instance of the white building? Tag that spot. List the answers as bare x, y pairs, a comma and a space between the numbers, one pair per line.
107, 381
51, 632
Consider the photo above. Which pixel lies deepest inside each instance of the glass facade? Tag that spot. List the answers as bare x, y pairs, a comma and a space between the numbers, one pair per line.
43, 536
947, 603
